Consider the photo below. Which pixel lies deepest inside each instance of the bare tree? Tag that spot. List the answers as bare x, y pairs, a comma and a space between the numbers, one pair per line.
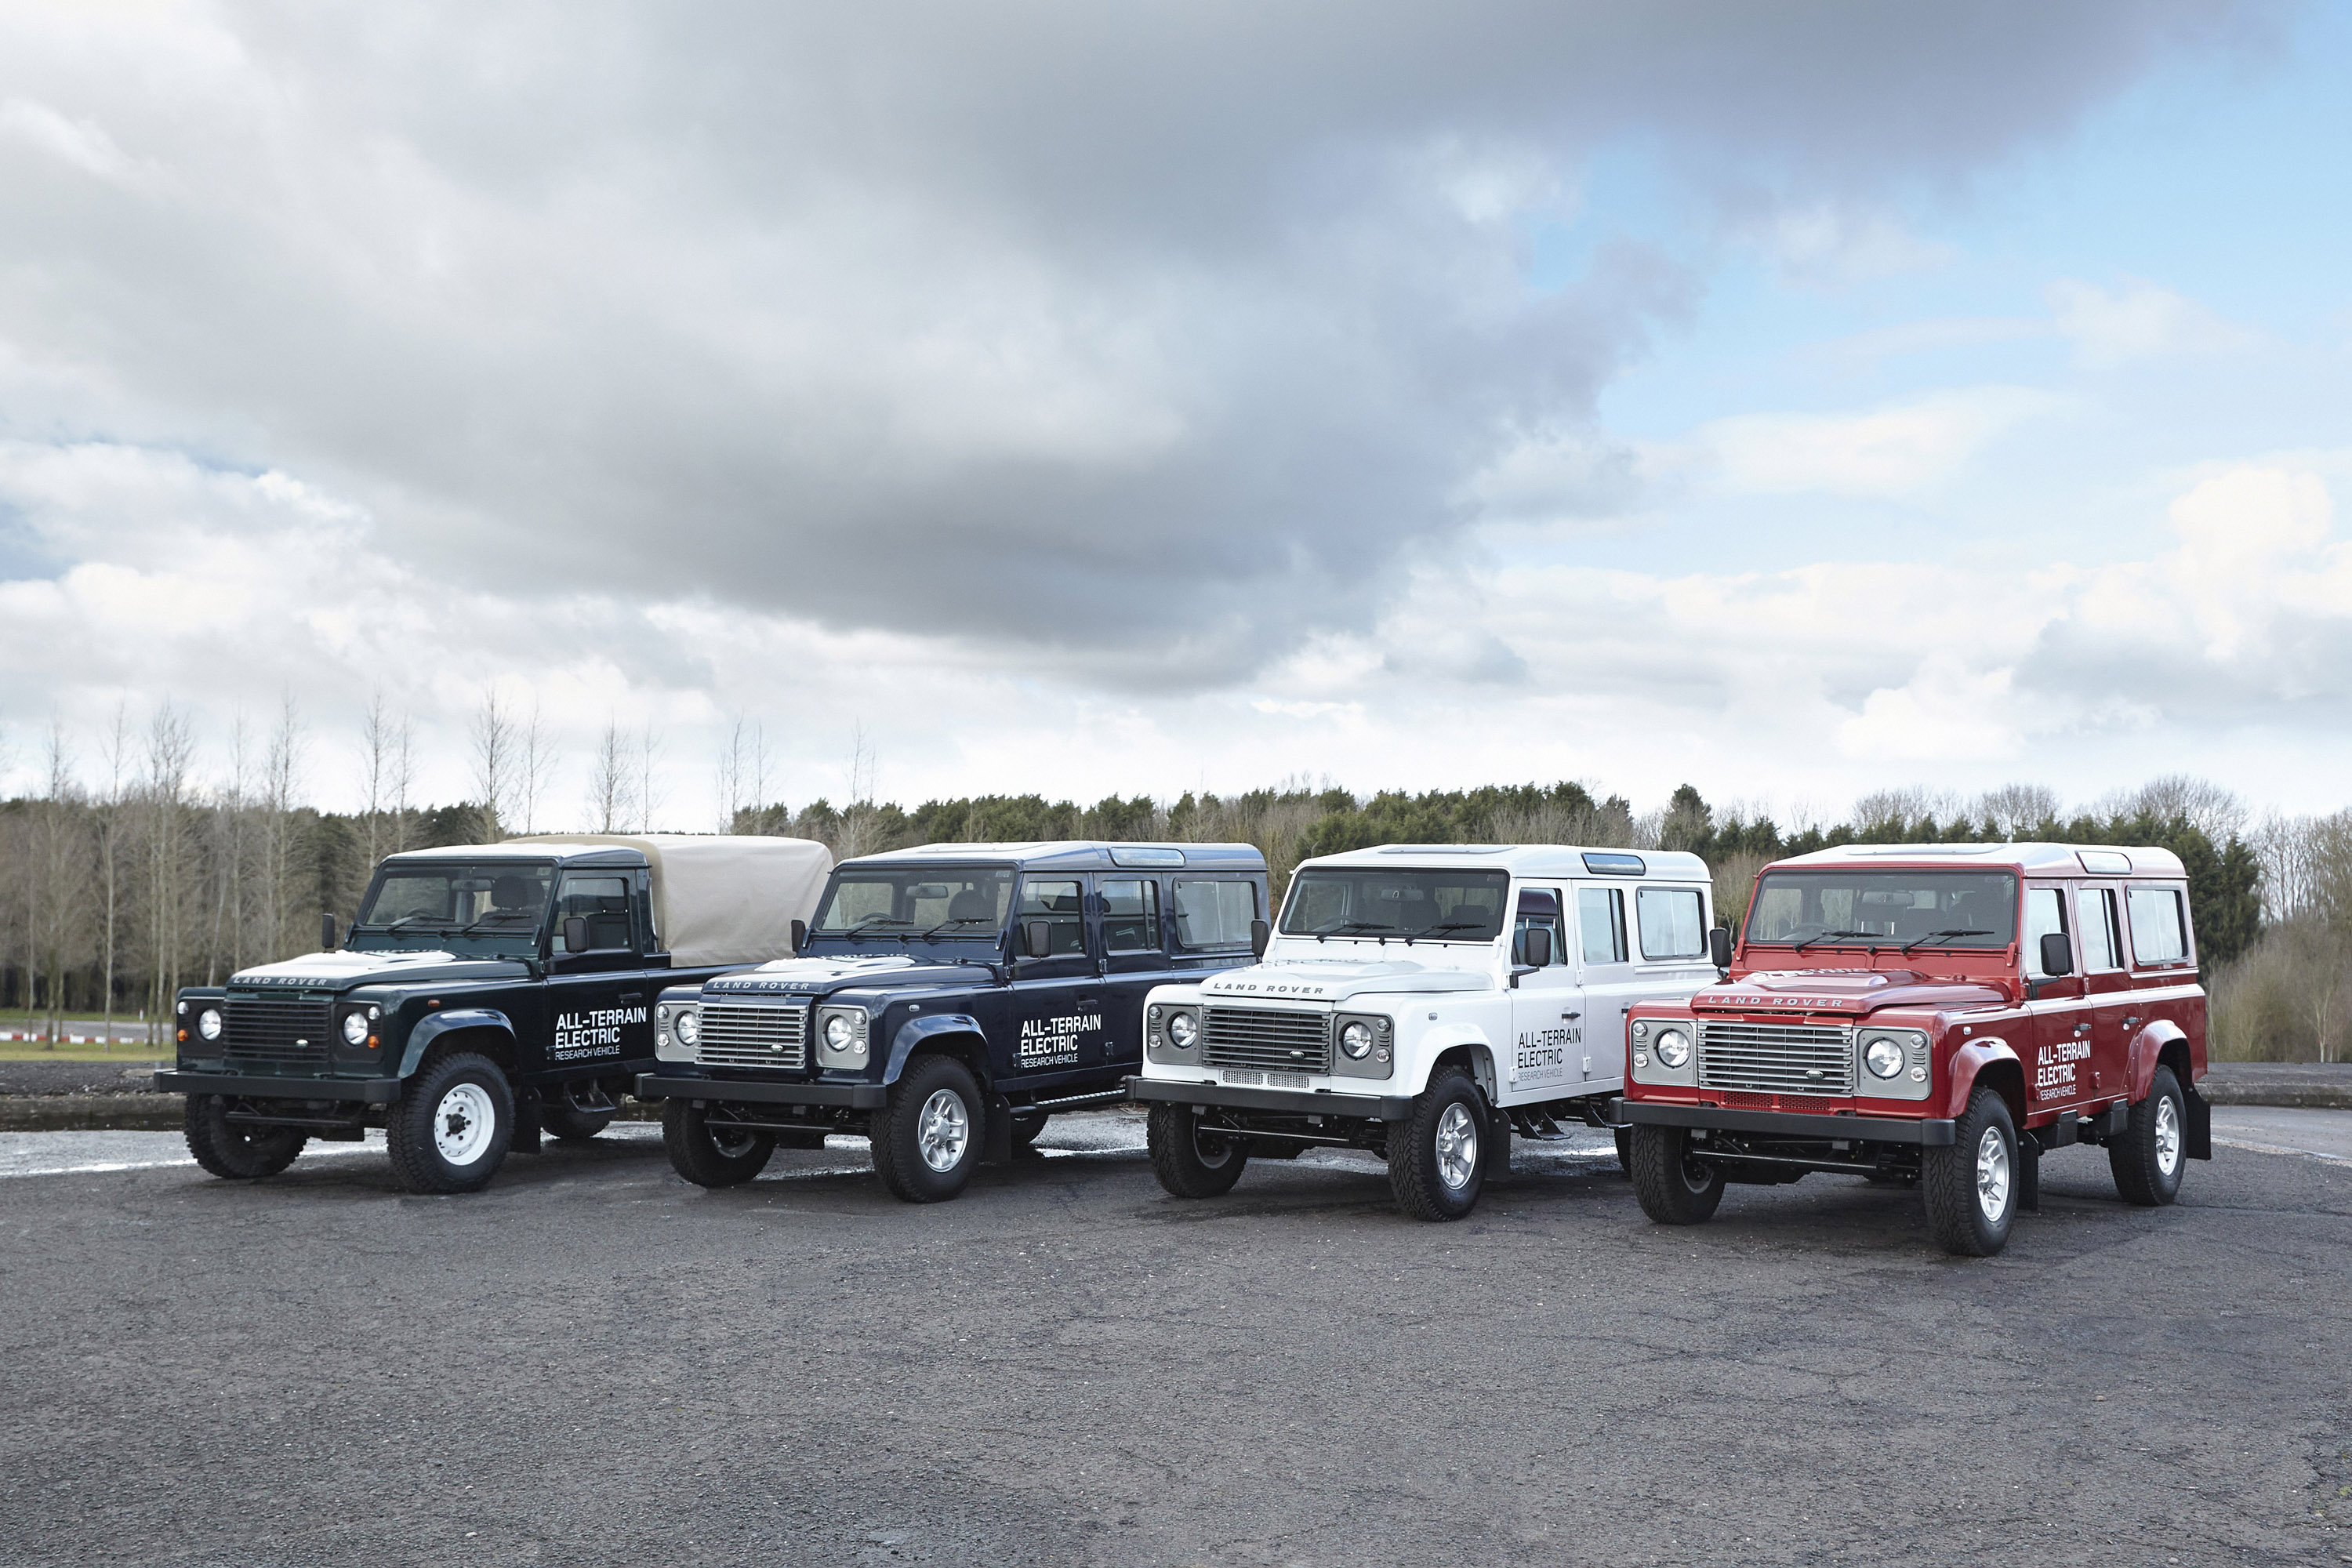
730, 776
376, 768
857, 824
403, 777
109, 855
759, 771
649, 799
170, 747
608, 780
56, 888
2014, 810
281, 784
494, 765
2216, 812
530, 773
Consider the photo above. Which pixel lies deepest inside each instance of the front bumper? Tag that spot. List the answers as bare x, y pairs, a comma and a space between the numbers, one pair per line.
366, 1090
736, 1091
1928, 1134
1284, 1101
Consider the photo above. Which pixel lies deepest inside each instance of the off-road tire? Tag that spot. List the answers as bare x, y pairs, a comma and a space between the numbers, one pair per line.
1624, 1136
1025, 1130
237, 1153
418, 1163
2138, 1157
1183, 1165
565, 1122
1671, 1187
898, 1131
1417, 1166
1949, 1180
727, 1158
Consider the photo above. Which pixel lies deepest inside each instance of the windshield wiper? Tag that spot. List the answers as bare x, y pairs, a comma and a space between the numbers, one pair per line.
1347, 927
1831, 936
402, 920
965, 920
501, 916
1939, 935
864, 926
1455, 925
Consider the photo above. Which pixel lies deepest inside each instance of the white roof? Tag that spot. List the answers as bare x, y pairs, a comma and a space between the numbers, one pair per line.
2041, 859
718, 898
1528, 862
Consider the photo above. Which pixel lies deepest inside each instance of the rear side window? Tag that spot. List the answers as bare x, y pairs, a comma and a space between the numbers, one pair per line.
1601, 920
1214, 914
1670, 924
1131, 916
2158, 933
2094, 916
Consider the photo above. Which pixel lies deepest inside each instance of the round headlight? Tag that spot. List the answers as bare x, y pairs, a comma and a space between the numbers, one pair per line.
1884, 1057
208, 1023
1673, 1049
1356, 1039
688, 1025
839, 1035
355, 1028
1182, 1030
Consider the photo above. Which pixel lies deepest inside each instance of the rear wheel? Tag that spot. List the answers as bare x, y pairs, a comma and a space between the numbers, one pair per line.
1971, 1187
927, 1140
1674, 1186
449, 1130
238, 1153
1193, 1161
565, 1118
712, 1153
1438, 1157
2146, 1159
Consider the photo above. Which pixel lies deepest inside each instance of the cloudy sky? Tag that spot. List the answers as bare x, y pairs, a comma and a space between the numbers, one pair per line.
1796, 401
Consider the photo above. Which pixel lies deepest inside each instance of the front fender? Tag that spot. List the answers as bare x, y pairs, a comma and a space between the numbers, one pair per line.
1969, 1063
1440, 1039
433, 1025
2145, 1048
918, 1031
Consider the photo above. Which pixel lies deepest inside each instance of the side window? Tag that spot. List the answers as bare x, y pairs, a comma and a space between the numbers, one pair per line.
2094, 916
1214, 914
1131, 916
1670, 924
1600, 918
2159, 935
1539, 911
2045, 912
603, 902
1058, 904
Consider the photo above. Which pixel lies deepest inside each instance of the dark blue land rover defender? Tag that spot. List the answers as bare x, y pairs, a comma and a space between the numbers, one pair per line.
946, 1002
484, 992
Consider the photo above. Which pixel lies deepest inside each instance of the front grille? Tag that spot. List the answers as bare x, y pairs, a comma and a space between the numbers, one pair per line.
1775, 1058
277, 1029
735, 1035
1261, 1038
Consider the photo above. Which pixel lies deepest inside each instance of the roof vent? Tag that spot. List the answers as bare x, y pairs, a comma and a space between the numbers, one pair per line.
2105, 862
1602, 864
1124, 854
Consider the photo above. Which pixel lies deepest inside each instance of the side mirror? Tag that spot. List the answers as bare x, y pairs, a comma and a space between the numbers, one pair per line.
1037, 939
800, 937
1260, 934
1719, 947
326, 932
2057, 954
575, 933
1538, 947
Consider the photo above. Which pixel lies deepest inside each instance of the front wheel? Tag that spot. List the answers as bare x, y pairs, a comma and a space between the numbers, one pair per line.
2147, 1159
1971, 1187
238, 1153
1193, 1161
1672, 1186
927, 1140
449, 1130
712, 1153
1438, 1156
566, 1120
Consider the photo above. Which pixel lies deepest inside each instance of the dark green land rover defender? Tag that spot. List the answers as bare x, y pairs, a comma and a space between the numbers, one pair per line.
484, 993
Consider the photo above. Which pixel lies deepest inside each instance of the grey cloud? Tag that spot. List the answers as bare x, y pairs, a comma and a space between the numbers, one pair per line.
1138, 341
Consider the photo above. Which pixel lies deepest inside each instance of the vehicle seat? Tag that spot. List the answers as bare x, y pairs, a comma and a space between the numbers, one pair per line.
1910, 925
513, 892
971, 904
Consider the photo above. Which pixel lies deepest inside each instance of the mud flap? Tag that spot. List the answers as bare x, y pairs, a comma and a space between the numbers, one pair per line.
526, 1127
996, 1149
2197, 1137
2028, 1174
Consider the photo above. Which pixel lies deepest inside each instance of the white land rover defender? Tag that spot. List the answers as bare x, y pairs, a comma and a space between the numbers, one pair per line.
1422, 1002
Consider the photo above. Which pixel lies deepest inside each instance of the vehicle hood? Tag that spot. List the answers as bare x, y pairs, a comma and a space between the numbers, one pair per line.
1337, 980
817, 976
1849, 992
341, 970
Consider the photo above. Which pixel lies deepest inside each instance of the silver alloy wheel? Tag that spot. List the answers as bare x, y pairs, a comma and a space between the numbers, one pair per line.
1458, 1146
463, 1122
1993, 1174
2168, 1136
944, 1129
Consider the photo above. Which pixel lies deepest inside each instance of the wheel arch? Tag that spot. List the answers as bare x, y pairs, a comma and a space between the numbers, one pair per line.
956, 1034
483, 1029
1992, 1063
2162, 1044
1474, 1056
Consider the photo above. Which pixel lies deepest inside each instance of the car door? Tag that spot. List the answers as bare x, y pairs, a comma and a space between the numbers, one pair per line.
1547, 1057
2106, 985
596, 994
1135, 958
1606, 974
2059, 1076
1056, 1014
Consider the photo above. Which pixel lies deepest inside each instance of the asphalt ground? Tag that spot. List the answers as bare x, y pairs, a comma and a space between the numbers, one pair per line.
596, 1362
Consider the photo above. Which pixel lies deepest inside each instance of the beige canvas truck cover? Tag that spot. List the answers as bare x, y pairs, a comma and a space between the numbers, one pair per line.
722, 898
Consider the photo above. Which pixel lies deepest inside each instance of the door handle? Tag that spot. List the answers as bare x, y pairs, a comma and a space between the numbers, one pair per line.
2131, 1020
633, 996
1572, 1015
2081, 1028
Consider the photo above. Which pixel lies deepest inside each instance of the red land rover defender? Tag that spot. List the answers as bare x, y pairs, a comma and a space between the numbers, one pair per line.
1937, 1014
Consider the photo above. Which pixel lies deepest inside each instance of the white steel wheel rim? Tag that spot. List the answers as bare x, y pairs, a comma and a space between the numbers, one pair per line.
2168, 1136
463, 1122
944, 1129
1458, 1146
1993, 1174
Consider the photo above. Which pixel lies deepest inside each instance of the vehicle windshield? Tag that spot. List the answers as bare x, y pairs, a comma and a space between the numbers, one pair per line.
916, 903
1379, 903
439, 900
1880, 908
